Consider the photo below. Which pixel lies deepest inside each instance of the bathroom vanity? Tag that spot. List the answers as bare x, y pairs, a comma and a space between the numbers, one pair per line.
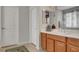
59, 40
56, 41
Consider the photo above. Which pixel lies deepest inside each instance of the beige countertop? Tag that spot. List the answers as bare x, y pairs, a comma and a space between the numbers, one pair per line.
62, 33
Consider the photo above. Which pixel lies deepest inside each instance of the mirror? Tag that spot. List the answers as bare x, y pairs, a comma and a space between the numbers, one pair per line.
70, 18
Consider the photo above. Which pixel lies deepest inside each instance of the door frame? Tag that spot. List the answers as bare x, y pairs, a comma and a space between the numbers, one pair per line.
31, 27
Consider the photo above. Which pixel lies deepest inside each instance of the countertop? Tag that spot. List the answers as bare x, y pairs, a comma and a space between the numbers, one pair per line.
62, 33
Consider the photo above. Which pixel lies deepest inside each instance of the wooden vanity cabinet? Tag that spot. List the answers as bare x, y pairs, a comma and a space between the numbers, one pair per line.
56, 43
43, 41
72, 45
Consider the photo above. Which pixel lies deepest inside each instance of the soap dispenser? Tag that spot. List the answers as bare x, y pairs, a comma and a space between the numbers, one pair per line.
53, 26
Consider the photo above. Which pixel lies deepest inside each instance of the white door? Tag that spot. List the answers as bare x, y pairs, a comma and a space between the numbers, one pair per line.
9, 25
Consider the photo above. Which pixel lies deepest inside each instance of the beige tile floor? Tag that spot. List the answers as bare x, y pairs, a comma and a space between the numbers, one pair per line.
31, 47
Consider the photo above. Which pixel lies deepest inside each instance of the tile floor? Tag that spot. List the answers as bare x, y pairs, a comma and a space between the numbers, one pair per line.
29, 46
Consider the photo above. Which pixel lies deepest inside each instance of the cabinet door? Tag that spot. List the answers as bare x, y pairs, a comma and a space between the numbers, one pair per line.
73, 41
43, 41
60, 46
50, 45
72, 48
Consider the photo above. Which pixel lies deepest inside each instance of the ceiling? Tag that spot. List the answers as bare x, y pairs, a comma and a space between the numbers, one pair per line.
64, 7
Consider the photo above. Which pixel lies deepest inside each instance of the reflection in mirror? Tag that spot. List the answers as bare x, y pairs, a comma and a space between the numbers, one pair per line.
45, 17
71, 18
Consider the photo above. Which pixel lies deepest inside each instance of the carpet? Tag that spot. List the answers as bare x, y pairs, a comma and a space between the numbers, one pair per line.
17, 49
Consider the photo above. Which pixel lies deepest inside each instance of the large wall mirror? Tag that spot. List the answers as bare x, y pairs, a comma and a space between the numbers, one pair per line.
70, 18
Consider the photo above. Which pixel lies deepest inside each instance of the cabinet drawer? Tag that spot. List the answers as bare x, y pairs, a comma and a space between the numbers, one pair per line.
56, 37
73, 41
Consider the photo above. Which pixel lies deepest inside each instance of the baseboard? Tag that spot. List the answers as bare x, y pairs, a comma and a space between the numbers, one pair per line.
4, 46
22, 43
8, 46
0, 46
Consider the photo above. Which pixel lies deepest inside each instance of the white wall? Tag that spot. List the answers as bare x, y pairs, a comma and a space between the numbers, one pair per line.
0, 25
64, 7
23, 24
